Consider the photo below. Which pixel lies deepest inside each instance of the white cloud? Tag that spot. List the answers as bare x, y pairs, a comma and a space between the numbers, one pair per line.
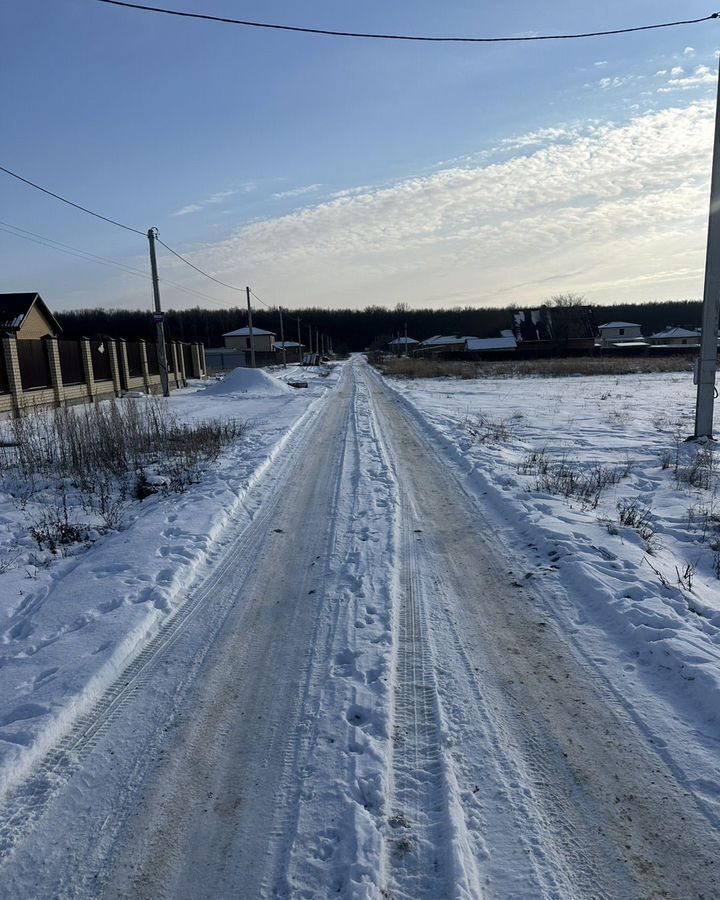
297, 192
702, 75
617, 212
601, 62
677, 70
689, 51
214, 199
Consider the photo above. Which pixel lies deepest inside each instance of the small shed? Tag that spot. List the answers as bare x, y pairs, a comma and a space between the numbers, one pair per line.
27, 316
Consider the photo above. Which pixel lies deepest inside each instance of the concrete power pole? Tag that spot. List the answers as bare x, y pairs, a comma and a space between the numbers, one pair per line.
282, 338
707, 361
250, 330
300, 353
159, 316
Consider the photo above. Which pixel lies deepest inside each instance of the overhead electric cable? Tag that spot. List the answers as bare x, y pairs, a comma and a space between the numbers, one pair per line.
187, 262
406, 37
70, 202
85, 255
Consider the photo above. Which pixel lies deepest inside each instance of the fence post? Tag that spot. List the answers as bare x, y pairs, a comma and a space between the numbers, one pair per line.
12, 367
196, 363
181, 358
175, 366
53, 352
86, 356
144, 364
114, 365
124, 368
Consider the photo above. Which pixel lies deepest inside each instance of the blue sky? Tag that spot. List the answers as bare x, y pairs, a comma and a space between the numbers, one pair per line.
342, 172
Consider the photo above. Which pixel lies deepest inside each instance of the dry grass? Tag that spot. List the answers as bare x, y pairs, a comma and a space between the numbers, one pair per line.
553, 367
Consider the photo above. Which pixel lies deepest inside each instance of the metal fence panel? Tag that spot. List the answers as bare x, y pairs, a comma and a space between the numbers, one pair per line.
71, 364
134, 359
34, 365
100, 355
152, 358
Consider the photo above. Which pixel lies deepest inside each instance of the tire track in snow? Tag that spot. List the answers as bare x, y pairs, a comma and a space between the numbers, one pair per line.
428, 848
24, 803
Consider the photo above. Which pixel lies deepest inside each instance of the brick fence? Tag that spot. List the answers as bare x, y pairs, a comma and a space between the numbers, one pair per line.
51, 372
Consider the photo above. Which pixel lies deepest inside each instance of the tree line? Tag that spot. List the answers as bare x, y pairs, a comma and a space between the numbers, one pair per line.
352, 329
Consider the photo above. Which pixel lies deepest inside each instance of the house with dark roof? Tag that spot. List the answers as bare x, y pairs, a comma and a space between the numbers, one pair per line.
27, 316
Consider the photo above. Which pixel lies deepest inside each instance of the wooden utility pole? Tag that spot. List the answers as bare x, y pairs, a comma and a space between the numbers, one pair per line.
158, 316
250, 330
300, 353
282, 338
707, 360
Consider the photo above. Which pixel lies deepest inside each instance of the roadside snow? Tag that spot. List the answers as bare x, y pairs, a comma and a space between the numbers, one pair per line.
69, 623
633, 566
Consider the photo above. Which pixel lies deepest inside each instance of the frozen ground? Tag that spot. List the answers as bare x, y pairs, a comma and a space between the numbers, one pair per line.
394, 668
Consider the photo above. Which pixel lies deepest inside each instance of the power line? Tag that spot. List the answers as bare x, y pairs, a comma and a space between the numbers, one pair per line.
70, 202
187, 262
407, 37
85, 255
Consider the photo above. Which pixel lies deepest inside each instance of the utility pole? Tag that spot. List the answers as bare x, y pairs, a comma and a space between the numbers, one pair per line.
282, 338
159, 316
250, 330
310, 350
707, 360
300, 347
406, 343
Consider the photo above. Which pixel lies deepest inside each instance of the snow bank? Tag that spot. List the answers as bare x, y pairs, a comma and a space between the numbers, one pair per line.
255, 382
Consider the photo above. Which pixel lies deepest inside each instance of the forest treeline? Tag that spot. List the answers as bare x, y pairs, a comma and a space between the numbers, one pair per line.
351, 329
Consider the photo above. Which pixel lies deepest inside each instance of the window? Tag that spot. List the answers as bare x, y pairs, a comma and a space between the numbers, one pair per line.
621, 331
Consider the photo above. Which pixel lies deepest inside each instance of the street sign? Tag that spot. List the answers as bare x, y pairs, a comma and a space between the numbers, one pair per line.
158, 317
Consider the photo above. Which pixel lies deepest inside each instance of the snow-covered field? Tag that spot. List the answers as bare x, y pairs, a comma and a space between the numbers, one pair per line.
70, 620
621, 519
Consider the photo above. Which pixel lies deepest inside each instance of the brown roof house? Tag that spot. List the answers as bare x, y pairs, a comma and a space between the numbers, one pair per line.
27, 317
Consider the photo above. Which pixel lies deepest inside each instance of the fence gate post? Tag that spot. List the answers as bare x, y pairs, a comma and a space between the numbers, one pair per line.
175, 365
12, 367
53, 352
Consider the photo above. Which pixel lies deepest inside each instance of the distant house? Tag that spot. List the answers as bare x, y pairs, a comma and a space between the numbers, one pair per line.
490, 345
27, 317
675, 337
263, 341
403, 343
443, 343
620, 334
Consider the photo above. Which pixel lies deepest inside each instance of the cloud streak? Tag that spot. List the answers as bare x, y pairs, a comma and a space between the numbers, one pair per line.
614, 211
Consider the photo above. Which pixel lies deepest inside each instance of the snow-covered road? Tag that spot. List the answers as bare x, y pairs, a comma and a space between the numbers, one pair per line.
362, 696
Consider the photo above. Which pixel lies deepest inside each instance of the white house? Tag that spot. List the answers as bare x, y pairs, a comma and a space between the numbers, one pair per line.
263, 341
675, 337
613, 334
